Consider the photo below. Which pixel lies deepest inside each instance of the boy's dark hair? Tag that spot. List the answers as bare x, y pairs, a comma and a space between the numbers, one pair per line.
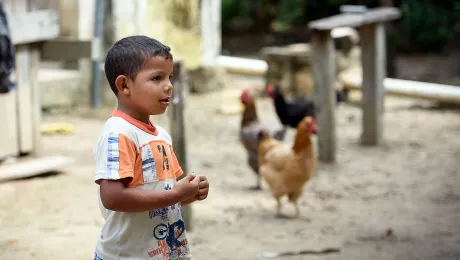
128, 55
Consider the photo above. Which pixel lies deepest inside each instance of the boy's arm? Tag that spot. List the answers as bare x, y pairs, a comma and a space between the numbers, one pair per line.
115, 157
115, 196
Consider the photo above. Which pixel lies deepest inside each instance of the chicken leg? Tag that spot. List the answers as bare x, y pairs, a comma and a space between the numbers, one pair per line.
278, 207
297, 209
293, 198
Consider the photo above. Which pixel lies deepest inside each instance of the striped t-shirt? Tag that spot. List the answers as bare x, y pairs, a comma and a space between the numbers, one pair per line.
128, 148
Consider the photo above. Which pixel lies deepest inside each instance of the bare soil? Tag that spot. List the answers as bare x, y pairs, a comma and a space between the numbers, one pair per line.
398, 201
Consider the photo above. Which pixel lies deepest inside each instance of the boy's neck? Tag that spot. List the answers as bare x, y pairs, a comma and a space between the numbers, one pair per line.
134, 114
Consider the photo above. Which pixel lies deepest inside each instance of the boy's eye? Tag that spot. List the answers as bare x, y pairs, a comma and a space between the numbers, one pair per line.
170, 77
156, 78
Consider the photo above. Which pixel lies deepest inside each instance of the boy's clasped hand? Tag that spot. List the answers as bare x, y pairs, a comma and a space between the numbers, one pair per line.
192, 187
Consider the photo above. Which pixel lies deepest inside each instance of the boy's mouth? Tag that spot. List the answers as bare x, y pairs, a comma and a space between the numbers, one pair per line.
165, 101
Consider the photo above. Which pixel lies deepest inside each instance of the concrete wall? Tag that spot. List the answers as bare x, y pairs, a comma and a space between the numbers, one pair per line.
177, 23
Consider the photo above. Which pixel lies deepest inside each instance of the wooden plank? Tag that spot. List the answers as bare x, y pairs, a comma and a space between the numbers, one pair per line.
9, 143
32, 167
66, 48
178, 133
35, 26
374, 72
375, 15
24, 98
301, 51
323, 66
35, 104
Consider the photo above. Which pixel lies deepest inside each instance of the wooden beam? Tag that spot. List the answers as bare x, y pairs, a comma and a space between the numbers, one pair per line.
375, 15
373, 61
32, 167
323, 65
34, 26
66, 48
178, 133
352, 80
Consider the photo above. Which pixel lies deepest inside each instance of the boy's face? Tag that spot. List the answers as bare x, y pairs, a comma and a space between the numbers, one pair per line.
149, 93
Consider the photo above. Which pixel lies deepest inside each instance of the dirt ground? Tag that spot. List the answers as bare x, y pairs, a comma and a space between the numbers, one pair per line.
400, 201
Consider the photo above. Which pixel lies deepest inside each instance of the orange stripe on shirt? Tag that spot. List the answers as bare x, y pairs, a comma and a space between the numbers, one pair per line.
177, 170
127, 157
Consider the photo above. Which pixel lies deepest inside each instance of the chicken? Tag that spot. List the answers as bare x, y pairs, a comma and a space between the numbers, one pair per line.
290, 113
249, 130
286, 168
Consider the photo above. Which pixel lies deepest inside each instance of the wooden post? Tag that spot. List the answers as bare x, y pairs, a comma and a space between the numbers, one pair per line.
178, 128
373, 60
28, 97
323, 56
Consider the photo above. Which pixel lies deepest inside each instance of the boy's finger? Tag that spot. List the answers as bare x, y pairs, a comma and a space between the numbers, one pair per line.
202, 197
196, 180
189, 177
204, 184
202, 192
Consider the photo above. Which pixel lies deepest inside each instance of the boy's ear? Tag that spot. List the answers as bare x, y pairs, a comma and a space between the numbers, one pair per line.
121, 82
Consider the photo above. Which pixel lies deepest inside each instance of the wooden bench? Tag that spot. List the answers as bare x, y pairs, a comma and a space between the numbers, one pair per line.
290, 65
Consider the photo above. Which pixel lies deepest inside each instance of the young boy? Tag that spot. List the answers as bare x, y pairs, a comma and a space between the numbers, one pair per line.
136, 167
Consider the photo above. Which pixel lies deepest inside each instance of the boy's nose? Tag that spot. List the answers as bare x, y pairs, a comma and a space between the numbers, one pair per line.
168, 88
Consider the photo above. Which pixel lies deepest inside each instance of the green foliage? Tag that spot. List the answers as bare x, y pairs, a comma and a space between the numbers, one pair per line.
229, 10
426, 25
291, 11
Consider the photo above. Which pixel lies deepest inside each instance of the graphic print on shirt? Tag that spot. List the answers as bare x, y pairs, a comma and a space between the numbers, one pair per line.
165, 161
149, 169
160, 153
167, 236
156, 162
168, 239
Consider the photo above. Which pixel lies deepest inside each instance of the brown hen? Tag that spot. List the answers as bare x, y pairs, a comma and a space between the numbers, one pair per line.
286, 168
